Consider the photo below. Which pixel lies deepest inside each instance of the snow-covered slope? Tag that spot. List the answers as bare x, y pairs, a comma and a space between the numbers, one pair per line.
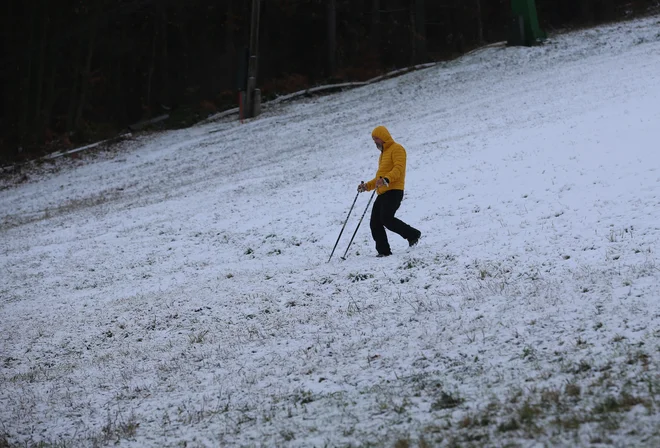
177, 292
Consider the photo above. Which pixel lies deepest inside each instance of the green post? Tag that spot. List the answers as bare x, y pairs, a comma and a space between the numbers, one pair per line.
525, 29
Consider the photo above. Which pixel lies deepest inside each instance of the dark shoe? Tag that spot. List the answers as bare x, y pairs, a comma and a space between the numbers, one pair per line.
383, 255
414, 240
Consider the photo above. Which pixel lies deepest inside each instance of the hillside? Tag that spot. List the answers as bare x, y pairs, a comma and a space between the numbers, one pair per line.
176, 291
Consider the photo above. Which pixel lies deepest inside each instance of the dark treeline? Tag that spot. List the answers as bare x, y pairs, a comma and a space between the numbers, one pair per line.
77, 70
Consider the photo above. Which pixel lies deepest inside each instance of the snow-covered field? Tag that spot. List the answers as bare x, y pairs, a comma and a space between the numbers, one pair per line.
176, 292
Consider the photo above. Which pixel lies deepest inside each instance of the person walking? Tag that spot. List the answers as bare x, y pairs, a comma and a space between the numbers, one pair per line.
388, 183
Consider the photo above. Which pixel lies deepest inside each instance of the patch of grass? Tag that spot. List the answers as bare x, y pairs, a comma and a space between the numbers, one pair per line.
402, 443
413, 263
117, 429
509, 425
550, 397
197, 338
528, 413
623, 402
618, 338
422, 443
4, 441
28, 377
303, 397
408, 443
446, 401
638, 357
598, 440
466, 422
359, 277
287, 435
529, 353
568, 422
445, 258
67, 207
572, 390
583, 366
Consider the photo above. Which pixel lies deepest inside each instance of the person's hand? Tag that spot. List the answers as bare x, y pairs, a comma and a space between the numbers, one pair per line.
362, 187
382, 182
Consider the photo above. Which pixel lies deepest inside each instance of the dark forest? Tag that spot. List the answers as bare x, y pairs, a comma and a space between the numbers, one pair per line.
75, 71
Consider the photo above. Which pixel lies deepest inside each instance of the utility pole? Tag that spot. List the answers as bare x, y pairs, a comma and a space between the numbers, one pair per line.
253, 100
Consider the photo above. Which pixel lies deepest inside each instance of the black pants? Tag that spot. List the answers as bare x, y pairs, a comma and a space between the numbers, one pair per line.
382, 217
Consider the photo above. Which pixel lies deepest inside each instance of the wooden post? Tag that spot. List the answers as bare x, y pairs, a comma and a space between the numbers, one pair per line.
241, 112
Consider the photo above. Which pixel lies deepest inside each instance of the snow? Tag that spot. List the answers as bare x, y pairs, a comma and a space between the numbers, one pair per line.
176, 292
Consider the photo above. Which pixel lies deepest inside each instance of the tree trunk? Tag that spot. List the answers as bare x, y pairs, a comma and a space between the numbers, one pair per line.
230, 27
375, 29
49, 99
332, 36
8, 94
609, 10
185, 69
480, 23
231, 54
75, 87
586, 10
25, 84
457, 41
164, 63
38, 116
152, 65
84, 86
418, 18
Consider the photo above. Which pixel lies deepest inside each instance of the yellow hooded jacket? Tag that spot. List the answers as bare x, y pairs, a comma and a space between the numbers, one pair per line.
392, 162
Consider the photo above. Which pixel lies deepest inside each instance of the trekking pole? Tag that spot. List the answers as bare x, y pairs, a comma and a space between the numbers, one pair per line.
344, 226
358, 226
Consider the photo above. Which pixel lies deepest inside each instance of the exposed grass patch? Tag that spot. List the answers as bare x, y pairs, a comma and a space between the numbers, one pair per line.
357, 277
509, 425
73, 205
198, 337
446, 401
4, 442
572, 390
118, 428
413, 263
623, 402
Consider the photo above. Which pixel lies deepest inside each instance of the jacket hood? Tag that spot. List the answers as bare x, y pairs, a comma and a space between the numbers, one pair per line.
382, 133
